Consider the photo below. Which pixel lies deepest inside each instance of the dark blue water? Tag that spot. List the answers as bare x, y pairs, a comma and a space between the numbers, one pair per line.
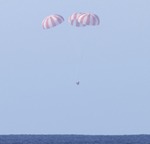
74, 139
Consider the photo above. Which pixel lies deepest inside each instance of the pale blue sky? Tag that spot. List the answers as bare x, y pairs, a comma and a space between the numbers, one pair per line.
38, 68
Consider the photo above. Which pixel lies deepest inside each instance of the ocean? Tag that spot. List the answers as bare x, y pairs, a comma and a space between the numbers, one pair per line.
74, 139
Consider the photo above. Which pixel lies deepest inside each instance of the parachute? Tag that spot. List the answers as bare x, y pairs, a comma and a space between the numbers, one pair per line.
89, 19
78, 19
52, 21
73, 19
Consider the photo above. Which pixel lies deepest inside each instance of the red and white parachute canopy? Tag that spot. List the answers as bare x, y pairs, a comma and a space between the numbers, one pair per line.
89, 19
73, 19
51, 21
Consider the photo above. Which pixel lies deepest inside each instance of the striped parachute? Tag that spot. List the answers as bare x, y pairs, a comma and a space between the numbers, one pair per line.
73, 19
52, 21
89, 19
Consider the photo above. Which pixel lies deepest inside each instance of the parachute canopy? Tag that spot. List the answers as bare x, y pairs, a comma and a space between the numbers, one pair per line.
89, 19
52, 21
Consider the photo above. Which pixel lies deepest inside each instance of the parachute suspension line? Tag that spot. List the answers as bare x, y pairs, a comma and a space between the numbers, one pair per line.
80, 65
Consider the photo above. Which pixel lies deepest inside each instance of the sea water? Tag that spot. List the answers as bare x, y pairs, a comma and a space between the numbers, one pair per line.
74, 139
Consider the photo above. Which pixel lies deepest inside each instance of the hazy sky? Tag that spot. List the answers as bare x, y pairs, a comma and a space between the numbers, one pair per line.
39, 68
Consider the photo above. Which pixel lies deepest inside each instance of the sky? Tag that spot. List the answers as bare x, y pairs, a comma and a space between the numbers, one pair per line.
39, 68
